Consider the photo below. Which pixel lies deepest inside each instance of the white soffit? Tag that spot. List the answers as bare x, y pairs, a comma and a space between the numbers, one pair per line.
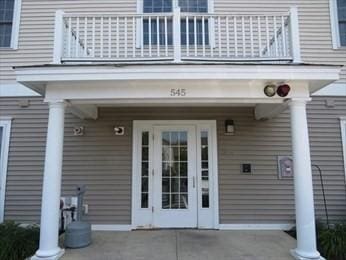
14, 89
334, 89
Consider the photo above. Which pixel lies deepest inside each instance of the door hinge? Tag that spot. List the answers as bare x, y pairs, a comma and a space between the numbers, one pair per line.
153, 136
152, 172
152, 209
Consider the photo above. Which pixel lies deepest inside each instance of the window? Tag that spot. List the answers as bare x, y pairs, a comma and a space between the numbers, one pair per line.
9, 23
5, 126
338, 22
166, 6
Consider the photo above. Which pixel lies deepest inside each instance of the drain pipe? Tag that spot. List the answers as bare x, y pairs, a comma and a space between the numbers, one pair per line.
323, 193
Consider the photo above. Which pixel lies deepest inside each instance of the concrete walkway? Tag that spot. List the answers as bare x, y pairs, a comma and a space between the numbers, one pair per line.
186, 245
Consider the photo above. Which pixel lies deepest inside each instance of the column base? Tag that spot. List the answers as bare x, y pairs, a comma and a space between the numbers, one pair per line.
297, 256
55, 256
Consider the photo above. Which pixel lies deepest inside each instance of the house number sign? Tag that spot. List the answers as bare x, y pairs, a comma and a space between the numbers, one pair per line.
178, 92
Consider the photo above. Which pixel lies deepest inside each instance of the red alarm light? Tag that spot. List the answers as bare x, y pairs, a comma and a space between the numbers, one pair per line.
283, 90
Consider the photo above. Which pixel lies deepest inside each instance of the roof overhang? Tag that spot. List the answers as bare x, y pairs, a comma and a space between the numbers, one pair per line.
314, 76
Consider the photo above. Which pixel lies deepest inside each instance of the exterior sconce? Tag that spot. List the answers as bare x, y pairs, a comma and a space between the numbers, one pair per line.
282, 90
119, 130
229, 127
78, 131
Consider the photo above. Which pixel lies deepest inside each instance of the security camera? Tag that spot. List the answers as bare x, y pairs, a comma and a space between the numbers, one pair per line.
78, 131
119, 130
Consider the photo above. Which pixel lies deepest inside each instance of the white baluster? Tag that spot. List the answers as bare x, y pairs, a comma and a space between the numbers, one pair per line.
125, 36
259, 35
283, 32
93, 36
251, 37
77, 39
158, 35
203, 38
267, 36
101, 37
227, 35
69, 35
118, 37
235, 36
85, 36
109, 37
134, 37
166, 37
219, 34
195, 33
187, 36
150, 32
275, 37
243, 34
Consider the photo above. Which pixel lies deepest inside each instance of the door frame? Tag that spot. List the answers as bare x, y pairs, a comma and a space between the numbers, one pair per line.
5, 122
143, 125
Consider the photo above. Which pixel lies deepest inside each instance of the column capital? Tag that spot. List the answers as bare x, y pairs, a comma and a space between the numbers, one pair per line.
57, 103
298, 101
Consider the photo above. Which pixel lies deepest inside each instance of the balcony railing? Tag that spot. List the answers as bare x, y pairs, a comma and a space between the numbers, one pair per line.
176, 36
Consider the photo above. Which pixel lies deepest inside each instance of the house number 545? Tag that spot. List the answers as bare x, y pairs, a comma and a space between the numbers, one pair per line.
178, 92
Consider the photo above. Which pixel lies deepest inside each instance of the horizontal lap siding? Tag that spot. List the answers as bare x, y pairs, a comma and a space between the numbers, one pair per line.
103, 161
37, 26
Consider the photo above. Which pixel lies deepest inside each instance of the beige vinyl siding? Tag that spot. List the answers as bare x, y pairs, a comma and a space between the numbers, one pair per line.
103, 161
37, 28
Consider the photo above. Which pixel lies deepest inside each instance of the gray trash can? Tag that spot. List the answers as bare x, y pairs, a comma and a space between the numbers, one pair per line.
78, 234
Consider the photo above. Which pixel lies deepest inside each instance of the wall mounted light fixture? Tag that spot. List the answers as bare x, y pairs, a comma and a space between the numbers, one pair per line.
229, 127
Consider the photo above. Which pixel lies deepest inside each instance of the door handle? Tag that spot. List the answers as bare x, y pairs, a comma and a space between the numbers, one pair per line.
194, 182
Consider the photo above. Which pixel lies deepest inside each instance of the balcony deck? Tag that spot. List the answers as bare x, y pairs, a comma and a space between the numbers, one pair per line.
177, 37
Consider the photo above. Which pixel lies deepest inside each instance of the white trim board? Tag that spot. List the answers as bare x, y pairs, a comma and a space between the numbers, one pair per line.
256, 226
110, 227
6, 124
343, 138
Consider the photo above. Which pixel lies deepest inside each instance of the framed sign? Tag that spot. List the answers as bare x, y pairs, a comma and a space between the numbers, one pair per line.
285, 167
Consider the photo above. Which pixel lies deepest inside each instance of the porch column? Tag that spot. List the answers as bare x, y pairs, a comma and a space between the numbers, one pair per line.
303, 189
49, 233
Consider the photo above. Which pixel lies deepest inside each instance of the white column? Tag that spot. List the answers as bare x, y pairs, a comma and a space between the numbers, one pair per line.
58, 37
177, 33
294, 34
303, 189
49, 233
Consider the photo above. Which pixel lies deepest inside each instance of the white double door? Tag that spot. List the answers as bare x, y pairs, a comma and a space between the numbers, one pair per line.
172, 176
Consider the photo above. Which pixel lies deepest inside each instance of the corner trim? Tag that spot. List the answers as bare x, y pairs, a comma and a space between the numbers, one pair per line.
110, 227
285, 226
333, 10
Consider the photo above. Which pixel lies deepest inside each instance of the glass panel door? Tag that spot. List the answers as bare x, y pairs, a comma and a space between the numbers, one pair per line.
175, 177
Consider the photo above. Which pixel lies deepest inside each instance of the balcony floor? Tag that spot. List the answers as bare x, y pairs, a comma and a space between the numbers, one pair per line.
186, 245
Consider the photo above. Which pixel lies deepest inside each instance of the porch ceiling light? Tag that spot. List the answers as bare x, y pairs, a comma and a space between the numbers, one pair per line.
270, 90
283, 90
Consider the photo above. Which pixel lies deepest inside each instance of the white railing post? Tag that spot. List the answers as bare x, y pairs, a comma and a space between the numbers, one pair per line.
294, 34
58, 36
177, 34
